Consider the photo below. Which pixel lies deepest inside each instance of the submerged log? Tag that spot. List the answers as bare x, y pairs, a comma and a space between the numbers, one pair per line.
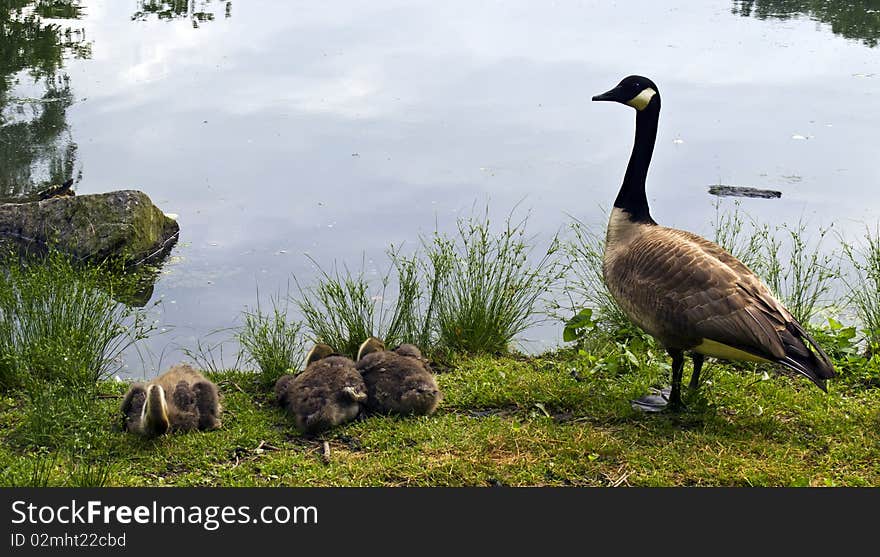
119, 224
743, 191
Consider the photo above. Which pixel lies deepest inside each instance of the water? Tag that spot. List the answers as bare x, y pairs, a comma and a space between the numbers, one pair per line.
278, 129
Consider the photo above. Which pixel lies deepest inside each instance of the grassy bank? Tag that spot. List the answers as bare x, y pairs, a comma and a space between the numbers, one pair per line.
561, 418
549, 420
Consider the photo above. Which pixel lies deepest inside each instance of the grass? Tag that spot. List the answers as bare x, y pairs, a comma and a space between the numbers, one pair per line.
272, 341
212, 353
559, 419
472, 292
553, 420
741, 239
58, 425
489, 286
802, 281
58, 417
60, 321
863, 289
344, 308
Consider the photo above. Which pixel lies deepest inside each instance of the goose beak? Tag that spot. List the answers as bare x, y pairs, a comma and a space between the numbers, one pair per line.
612, 95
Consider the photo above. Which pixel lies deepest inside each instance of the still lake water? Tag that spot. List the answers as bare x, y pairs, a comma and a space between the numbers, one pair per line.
279, 129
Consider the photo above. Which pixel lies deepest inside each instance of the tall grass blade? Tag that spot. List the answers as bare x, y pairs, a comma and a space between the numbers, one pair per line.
863, 289
271, 340
488, 287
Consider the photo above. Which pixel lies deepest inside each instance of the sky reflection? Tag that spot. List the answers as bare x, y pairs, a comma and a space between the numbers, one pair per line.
337, 129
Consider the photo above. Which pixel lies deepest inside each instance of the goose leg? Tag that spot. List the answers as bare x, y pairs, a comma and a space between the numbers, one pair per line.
695, 376
677, 370
668, 398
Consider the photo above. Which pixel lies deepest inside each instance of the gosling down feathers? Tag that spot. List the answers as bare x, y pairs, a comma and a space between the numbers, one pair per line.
328, 393
398, 381
687, 292
181, 399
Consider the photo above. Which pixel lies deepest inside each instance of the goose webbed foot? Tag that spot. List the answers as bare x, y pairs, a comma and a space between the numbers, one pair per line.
667, 399
657, 400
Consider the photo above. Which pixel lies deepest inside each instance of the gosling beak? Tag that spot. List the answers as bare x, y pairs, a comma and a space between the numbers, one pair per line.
354, 395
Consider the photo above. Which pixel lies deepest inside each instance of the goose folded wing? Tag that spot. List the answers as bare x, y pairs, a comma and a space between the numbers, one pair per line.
704, 293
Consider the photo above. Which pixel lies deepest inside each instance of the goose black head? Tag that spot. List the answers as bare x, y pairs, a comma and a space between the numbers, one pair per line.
636, 91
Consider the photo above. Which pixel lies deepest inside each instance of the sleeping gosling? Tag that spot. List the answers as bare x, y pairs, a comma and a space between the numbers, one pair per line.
398, 381
328, 393
181, 399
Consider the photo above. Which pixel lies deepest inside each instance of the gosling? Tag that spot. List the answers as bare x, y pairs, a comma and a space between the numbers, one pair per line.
194, 403
328, 393
399, 381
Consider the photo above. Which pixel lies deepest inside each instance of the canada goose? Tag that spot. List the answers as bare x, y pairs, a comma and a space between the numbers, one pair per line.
329, 392
193, 403
687, 292
399, 381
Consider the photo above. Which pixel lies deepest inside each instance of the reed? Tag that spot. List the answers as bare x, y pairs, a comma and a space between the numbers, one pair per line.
489, 287
863, 287
343, 308
272, 340
61, 321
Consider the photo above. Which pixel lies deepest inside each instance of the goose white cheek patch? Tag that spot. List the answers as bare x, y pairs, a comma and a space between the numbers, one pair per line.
640, 101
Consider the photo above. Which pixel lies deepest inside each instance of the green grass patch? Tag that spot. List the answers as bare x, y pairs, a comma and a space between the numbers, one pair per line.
490, 286
61, 321
557, 419
344, 307
863, 287
272, 341
472, 292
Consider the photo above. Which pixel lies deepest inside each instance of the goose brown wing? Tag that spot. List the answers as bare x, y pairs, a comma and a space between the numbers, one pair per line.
698, 291
754, 320
703, 293
716, 251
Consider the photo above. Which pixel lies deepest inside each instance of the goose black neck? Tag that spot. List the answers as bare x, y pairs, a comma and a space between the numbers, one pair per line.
632, 197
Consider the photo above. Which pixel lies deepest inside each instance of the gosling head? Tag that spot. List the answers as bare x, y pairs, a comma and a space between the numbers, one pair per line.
319, 352
369, 346
636, 91
410, 350
154, 415
419, 396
